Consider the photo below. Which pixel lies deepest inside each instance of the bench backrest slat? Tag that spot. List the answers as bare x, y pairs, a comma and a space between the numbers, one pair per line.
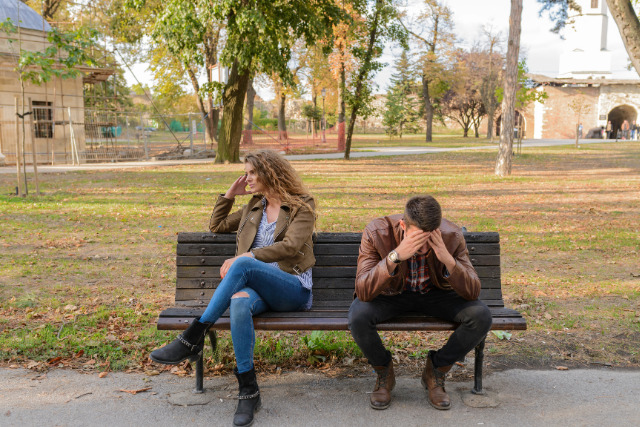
200, 255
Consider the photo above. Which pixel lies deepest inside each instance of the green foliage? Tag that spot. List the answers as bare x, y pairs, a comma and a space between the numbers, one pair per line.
60, 59
402, 112
311, 112
322, 344
526, 93
260, 34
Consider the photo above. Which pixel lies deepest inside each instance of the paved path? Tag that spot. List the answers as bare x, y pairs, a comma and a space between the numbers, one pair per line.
597, 397
362, 152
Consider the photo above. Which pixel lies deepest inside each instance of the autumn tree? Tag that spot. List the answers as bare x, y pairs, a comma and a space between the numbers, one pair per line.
433, 32
259, 37
580, 105
491, 77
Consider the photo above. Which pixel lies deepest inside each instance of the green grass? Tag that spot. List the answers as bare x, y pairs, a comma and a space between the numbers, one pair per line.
90, 264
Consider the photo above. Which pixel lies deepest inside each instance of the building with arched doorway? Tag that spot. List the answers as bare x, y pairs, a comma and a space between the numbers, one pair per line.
592, 102
585, 91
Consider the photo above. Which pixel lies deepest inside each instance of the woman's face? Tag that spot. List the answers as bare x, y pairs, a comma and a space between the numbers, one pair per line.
252, 179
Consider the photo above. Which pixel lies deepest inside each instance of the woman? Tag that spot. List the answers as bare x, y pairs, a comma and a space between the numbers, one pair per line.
271, 269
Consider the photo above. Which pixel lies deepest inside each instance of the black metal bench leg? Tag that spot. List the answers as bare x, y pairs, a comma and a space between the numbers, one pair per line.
200, 363
477, 377
200, 374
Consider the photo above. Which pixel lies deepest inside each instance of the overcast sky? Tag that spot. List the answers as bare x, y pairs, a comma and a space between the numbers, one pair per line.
541, 47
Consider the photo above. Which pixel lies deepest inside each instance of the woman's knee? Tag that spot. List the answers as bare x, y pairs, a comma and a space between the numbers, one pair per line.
243, 262
240, 305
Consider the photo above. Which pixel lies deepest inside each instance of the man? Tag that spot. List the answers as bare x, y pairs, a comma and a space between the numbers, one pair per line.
416, 262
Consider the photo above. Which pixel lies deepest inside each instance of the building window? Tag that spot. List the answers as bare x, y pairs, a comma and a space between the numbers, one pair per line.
594, 4
43, 117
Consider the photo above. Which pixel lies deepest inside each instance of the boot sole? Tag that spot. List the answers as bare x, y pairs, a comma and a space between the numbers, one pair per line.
193, 358
379, 408
429, 399
254, 411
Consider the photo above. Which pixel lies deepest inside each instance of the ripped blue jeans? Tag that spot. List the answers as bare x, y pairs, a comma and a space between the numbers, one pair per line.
267, 287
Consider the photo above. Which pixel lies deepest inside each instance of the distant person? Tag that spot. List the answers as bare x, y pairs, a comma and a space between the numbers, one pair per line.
580, 131
625, 129
633, 129
416, 262
609, 130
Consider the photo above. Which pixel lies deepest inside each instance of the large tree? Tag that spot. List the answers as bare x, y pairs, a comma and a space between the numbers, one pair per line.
259, 38
379, 27
503, 162
436, 40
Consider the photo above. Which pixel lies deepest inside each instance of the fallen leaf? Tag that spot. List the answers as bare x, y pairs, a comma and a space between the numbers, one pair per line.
103, 374
562, 368
136, 391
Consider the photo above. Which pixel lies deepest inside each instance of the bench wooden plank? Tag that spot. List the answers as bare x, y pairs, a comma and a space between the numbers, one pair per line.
319, 294
324, 260
323, 237
318, 283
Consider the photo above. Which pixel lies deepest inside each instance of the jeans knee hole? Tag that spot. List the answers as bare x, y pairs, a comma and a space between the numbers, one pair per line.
240, 295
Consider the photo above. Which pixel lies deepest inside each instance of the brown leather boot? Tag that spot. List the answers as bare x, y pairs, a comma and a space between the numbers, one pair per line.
433, 382
381, 395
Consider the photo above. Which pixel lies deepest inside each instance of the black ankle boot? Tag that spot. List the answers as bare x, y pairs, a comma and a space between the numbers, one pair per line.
189, 344
248, 398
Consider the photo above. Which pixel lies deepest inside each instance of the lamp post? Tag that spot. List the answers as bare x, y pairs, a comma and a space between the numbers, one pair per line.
324, 123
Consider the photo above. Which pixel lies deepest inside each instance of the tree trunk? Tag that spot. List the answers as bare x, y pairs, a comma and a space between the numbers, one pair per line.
490, 124
210, 125
342, 88
364, 67
247, 135
282, 124
503, 162
233, 103
251, 97
629, 27
428, 109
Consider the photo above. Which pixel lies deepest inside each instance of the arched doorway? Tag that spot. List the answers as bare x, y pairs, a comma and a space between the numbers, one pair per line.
619, 114
523, 123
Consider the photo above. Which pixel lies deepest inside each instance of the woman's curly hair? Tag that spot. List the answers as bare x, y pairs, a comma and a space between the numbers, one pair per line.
276, 173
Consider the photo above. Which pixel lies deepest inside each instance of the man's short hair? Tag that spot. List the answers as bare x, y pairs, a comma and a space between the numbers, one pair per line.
424, 212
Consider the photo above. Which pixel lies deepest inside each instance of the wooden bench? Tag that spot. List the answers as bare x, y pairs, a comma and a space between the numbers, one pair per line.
200, 255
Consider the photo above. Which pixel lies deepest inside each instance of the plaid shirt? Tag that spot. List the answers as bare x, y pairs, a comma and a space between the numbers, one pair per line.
417, 279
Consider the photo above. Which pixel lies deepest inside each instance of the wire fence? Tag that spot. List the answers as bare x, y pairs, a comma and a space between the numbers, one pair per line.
66, 135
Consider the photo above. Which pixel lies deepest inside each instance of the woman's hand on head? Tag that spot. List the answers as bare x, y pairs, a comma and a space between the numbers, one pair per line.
224, 269
238, 188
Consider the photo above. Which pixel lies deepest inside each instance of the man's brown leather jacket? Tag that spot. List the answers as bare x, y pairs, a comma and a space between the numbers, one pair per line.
293, 244
382, 235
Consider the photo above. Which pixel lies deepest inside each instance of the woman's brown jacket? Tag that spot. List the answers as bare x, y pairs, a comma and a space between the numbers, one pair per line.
293, 237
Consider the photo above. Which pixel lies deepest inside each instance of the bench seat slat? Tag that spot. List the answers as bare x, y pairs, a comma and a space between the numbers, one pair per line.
318, 294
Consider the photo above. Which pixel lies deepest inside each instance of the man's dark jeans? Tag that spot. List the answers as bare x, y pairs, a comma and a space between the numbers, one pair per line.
474, 318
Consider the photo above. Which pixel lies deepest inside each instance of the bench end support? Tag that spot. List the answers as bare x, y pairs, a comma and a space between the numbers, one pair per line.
477, 374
